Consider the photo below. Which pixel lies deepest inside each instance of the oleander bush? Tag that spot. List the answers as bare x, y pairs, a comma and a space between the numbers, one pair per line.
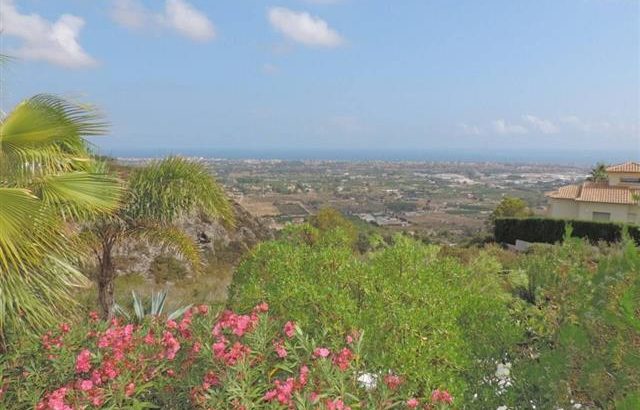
424, 315
201, 360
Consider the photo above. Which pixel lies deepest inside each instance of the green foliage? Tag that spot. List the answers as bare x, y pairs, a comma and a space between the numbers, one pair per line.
165, 190
329, 219
425, 316
153, 307
548, 230
511, 207
599, 173
157, 195
585, 327
48, 183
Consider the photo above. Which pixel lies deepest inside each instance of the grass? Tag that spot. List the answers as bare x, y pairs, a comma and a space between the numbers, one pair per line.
209, 287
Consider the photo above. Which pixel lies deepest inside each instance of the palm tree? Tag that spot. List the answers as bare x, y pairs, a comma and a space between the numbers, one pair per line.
157, 196
48, 183
598, 173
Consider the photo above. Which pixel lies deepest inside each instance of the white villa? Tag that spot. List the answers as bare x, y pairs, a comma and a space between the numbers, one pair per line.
616, 200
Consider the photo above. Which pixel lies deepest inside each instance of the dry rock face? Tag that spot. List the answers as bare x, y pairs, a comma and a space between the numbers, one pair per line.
219, 243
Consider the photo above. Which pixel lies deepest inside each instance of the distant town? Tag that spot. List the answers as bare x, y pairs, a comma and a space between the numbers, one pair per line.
440, 201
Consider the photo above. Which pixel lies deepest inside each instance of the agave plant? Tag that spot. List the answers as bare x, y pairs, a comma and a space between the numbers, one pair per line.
48, 183
154, 308
157, 195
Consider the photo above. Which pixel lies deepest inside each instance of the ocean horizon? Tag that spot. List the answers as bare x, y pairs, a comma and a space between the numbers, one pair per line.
572, 157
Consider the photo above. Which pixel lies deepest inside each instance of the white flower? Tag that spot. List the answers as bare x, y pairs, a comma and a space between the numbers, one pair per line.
368, 381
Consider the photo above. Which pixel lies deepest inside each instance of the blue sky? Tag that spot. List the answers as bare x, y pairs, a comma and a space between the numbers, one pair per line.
337, 74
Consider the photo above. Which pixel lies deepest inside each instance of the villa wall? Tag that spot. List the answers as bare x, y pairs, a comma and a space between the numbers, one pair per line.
569, 209
614, 178
619, 213
563, 208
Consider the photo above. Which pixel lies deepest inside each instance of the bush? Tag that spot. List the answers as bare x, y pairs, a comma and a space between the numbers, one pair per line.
202, 361
548, 230
430, 318
584, 325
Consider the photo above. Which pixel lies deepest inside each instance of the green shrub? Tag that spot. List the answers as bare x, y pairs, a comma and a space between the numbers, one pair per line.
549, 230
426, 316
584, 326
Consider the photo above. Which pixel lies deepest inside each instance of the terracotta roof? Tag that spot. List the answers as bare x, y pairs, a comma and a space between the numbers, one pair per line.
596, 192
626, 167
565, 192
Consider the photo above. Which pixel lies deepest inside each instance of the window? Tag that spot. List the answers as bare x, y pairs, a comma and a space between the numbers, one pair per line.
601, 216
630, 180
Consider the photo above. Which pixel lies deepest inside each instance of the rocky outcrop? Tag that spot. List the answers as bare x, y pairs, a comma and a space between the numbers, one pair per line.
219, 243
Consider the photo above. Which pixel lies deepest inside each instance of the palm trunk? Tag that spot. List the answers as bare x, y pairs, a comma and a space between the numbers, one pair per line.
106, 277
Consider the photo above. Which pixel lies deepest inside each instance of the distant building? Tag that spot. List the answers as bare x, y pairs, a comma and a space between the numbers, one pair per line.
616, 200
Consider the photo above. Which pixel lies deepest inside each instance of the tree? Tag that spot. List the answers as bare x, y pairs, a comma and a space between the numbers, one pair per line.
328, 219
48, 183
598, 173
157, 196
511, 207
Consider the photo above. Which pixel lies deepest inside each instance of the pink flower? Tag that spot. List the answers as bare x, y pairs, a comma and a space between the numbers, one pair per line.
349, 339
210, 379
441, 396
83, 361
261, 308
412, 403
55, 401
282, 392
130, 389
109, 370
321, 352
279, 348
93, 315
85, 385
343, 359
148, 339
392, 381
171, 345
289, 329
303, 379
203, 309
64, 328
337, 404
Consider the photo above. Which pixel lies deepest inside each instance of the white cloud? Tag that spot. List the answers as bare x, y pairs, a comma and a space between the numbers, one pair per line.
304, 28
542, 125
185, 19
42, 40
504, 128
178, 15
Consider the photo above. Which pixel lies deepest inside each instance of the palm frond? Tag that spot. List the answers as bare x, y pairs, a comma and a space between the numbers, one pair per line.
168, 189
79, 193
32, 299
176, 240
46, 181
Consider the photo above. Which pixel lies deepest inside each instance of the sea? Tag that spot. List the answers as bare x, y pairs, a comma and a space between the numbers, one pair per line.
572, 157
